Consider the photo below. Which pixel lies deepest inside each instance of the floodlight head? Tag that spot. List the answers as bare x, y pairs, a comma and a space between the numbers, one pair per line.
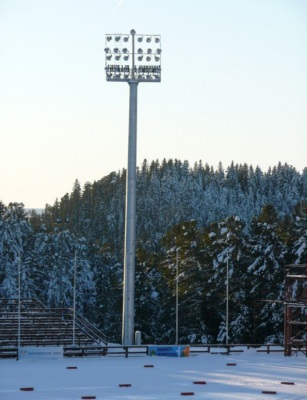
130, 58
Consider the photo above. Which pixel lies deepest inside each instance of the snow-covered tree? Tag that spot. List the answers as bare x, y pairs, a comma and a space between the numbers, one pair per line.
183, 257
55, 258
228, 249
15, 245
299, 247
108, 275
150, 288
268, 253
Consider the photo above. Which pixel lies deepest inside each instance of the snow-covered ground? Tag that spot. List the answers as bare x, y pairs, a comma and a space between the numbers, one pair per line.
100, 377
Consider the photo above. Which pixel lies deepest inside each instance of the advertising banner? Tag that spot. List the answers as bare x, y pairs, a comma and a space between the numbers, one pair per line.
169, 351
40, 352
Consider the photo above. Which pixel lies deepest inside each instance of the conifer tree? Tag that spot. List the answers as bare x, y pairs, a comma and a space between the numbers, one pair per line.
15, 250
228, 249
268, 252
299, 246
183, 257
108, 275
150, 289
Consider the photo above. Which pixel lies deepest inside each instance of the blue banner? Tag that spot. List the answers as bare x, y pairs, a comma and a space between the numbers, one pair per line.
169, 351
40, 352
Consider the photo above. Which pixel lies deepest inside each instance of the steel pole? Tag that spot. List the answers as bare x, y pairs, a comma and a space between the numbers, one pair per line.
176, 340
130, 230
74, 301
227, 298
19, 304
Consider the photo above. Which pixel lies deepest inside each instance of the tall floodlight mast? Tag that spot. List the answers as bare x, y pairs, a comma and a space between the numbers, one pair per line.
133, 59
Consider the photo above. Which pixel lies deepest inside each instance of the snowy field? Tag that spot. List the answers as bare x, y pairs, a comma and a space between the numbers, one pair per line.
166, 378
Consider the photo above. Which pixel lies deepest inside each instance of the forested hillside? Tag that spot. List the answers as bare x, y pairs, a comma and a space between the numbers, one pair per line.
255, 222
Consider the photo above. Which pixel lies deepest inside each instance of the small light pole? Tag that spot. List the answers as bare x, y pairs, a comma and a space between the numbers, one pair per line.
19, 303
227, 297
133, 59
177, 298
74, 301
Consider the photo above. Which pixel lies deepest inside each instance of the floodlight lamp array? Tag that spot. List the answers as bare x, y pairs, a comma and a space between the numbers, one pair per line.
142, 73
133, 57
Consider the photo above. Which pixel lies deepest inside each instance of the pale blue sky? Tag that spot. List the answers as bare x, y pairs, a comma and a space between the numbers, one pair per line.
234, 87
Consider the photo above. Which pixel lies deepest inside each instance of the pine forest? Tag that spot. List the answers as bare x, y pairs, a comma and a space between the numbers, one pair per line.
195, 222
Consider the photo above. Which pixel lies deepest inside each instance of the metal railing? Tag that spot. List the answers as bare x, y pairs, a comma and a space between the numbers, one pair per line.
143, 350
40, 325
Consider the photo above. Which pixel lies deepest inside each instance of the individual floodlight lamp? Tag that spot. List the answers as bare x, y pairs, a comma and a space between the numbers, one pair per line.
126, 62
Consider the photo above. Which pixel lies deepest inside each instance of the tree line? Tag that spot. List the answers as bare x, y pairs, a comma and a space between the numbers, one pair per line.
196, 222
